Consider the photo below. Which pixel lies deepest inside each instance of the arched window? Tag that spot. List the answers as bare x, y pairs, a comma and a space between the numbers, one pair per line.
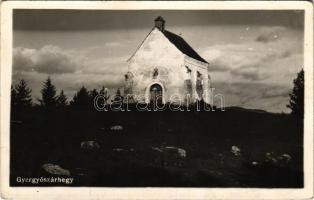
156, 94
187, 81
199, 85
187, 74
128, 85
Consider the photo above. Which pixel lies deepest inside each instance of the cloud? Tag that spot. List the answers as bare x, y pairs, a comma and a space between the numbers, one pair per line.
270, 97
257, 74
22, 59
69, 69
249, 73
113, 44
276, 92
243, 60
106, 66
48, 59
254, 61
270, 34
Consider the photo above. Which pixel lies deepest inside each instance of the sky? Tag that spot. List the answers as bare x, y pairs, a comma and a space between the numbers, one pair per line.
254, 55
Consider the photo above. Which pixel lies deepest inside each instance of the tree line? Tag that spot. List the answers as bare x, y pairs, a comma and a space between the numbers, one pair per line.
21, 96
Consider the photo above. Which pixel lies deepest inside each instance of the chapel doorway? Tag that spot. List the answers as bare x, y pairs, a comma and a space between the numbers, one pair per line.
156, 94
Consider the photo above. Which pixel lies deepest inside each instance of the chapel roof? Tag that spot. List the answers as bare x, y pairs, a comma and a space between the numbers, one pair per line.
183, 46
176, 40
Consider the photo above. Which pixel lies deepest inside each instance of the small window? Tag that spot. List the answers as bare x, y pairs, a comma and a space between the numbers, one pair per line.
155, 73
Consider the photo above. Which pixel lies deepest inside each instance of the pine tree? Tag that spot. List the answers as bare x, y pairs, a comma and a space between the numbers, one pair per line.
105, 94
13, 97
21, 95
92, 94
62, 100
48, 93
118, 93
118, 97
104, 91
81, 98
296, 103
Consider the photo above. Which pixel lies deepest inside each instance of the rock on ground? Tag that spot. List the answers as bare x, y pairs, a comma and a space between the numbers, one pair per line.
236, 150
90, 145
55, 169
171, 150
116, 128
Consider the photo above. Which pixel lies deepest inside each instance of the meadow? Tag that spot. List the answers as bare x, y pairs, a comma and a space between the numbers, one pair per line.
126, 156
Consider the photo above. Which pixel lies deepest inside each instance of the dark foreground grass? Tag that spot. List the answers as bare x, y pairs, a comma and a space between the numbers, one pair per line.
38, 137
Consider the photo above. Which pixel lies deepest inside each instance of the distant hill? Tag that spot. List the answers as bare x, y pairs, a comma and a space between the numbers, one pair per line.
235, 108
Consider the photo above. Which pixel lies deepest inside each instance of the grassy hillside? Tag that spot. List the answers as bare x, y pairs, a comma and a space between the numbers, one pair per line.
126, 157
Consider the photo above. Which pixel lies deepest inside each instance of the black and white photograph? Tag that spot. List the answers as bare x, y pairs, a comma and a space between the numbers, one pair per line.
165, 98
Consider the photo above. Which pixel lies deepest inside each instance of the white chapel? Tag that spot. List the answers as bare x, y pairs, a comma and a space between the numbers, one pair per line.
165, 68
